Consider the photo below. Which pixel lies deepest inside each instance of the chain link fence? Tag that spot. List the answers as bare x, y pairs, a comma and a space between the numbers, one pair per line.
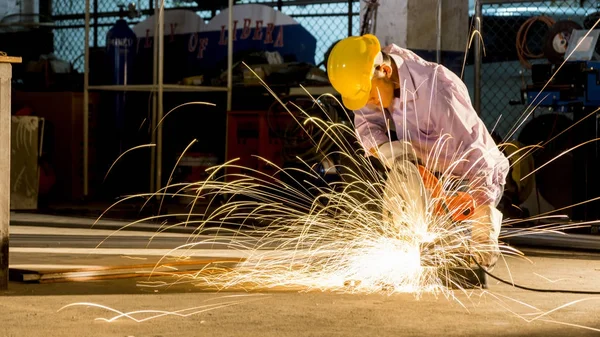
514, 36
327, 20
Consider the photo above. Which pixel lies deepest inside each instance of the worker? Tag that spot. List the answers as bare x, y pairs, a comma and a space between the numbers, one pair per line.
429, 108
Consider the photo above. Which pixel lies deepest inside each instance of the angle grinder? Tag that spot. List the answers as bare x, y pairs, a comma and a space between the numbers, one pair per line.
449, 253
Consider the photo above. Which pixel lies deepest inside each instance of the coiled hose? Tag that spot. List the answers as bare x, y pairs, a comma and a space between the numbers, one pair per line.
523, 51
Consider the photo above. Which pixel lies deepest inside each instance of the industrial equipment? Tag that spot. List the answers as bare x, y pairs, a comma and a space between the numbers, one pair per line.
282, 138
570, 89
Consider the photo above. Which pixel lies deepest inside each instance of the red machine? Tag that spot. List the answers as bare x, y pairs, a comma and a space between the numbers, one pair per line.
249, 137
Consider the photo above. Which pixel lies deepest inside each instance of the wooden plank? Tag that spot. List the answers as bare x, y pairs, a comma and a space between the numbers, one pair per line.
10, 59
5, 124
79, 274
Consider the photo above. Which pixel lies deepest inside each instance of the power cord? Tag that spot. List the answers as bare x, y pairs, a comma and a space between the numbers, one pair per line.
523, 52
567, 291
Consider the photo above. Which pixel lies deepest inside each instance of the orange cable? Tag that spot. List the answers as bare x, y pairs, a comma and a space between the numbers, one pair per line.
523, 51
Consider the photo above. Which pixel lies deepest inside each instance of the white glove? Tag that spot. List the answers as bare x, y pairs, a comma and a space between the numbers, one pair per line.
391, 152
486, 223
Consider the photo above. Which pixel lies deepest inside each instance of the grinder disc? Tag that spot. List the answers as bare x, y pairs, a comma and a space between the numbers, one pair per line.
557, 40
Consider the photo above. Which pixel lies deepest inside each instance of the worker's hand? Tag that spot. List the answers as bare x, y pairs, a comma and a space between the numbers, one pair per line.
486, 223
392, 152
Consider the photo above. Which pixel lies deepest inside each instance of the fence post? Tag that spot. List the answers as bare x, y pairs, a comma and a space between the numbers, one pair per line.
477, 57
350, 17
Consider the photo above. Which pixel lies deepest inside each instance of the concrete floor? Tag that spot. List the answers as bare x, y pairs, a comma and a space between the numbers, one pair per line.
33, 309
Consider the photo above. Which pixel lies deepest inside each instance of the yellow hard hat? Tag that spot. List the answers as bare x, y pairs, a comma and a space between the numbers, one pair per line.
350, 68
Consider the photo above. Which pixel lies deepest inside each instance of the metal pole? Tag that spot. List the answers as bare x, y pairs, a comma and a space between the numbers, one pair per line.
159, 115
229, 73
154, 103
477, 86
438, 53
95, 23
86, 80
229, 55
350, 17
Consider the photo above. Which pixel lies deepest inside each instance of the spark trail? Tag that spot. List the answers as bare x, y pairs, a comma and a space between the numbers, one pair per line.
300, 231
361, 233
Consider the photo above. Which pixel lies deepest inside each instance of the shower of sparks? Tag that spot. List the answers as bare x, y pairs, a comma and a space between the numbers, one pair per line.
365, 232
376, 229
362, 233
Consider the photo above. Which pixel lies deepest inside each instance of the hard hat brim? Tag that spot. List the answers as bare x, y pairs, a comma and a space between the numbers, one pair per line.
357, 102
